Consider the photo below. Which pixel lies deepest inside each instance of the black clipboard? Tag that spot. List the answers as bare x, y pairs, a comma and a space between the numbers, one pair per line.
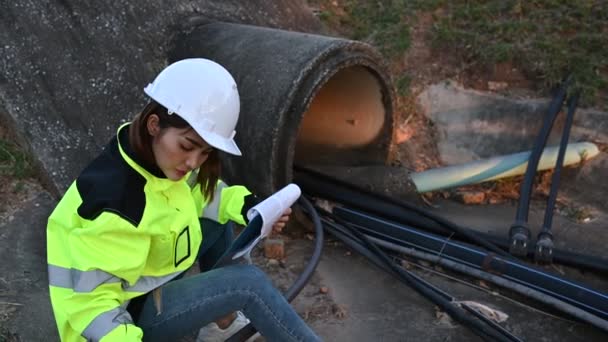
245, 240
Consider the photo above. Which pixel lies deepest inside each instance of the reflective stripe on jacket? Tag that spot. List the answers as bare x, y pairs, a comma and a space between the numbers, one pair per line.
120, 231
227, 204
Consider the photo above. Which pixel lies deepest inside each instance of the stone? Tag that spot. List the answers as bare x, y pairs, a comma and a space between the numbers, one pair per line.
471, 197
274, 249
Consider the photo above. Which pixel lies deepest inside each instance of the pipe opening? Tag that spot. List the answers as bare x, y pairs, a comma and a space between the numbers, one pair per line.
306, 100
344, 121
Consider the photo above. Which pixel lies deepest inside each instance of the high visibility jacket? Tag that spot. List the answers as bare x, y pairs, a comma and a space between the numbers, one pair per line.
120, 231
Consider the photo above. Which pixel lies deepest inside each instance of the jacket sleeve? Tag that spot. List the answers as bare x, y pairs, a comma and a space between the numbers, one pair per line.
232, 204
103, 258
227, 204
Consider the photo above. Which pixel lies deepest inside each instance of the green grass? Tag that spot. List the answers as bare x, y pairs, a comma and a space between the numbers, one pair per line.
547, 39
380, 23
402, 84
14, 161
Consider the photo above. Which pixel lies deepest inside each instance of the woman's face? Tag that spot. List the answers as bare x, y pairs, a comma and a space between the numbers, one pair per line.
177, 151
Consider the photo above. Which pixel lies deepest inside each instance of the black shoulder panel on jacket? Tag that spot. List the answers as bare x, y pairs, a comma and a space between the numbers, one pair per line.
110, 184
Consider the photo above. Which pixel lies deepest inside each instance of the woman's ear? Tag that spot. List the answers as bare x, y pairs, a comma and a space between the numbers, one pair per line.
153, 125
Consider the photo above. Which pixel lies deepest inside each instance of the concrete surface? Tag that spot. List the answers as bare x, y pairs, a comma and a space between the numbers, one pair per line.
473, 125
382, 309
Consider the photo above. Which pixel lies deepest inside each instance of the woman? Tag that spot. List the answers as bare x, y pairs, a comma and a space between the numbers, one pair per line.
130, 226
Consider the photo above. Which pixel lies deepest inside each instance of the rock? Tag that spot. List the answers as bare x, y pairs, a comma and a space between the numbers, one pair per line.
471, 197
274, 249
272, 262
497, 86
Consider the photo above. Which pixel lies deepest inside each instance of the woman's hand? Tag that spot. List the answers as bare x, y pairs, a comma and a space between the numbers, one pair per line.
281, 222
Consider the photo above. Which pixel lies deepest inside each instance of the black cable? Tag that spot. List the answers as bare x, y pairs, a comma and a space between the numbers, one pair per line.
297, 286
555, 179
355, 244
499, 280
539, 144
519, 233
465, 268
544, 240
352, 241
327, 187
349, 239
304, 277
489, 333
336, 189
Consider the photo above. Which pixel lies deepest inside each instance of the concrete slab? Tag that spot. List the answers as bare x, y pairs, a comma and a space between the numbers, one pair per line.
378, 307
481, 124
472, 125
382, 309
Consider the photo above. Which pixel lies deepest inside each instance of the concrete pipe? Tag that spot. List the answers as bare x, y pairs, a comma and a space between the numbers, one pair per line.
305, 98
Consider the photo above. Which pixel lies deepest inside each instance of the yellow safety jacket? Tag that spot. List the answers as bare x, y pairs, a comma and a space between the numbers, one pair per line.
121, 230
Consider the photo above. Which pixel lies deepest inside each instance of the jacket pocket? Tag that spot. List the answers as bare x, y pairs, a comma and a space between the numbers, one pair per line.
182, 246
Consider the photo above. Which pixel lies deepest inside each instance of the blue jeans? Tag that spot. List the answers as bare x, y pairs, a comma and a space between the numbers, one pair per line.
192, 302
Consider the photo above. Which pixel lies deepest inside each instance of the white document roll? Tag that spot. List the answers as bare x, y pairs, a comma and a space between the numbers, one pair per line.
273, 207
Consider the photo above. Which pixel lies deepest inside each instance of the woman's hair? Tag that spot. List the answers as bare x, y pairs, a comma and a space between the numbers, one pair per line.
141, 143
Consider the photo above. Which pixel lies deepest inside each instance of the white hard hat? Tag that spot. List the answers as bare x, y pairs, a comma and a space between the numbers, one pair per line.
204, 94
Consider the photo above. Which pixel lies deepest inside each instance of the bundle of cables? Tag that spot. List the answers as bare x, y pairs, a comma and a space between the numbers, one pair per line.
376, 219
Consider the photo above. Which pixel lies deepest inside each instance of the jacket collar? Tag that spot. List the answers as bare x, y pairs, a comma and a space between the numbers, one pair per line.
152, 173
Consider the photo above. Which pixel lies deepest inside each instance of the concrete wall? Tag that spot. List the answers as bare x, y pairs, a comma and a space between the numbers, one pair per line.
72, 71
473, 125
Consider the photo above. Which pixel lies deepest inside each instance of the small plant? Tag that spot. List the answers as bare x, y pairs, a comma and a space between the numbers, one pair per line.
19, 187
577, 214
325, 15
14, 161
403, 84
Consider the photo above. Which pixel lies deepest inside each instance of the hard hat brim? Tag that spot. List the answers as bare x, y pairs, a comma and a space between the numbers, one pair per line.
219, 142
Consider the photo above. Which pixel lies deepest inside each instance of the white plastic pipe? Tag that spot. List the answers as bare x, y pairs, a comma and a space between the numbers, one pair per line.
498, 167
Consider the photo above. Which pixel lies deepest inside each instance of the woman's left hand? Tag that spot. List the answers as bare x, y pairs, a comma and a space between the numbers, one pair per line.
282, 221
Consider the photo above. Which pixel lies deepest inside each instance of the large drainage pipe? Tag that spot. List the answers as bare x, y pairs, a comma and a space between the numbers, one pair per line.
304, 97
